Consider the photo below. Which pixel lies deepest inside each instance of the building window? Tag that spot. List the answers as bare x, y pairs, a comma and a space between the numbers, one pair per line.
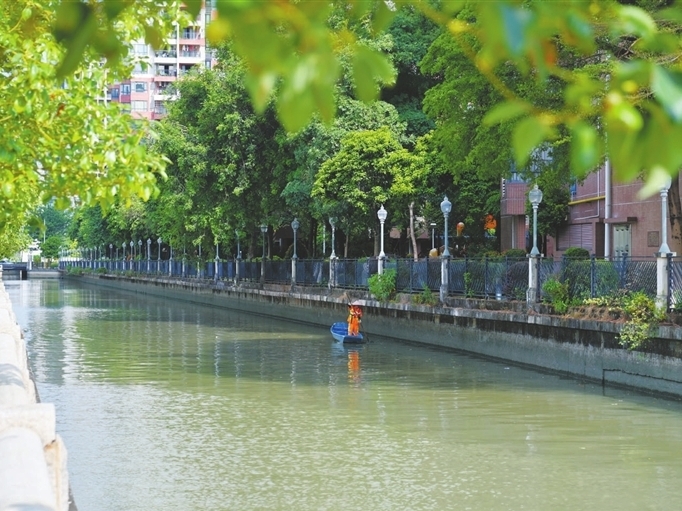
114, 93
138, 106
140, 49
125, 89
139, 86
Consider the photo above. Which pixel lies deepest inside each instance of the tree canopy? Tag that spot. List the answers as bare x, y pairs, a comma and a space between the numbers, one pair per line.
293, 53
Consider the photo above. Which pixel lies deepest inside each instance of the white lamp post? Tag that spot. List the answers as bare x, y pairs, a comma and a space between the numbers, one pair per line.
158, 254
239, 257
665, 249
263, 229
217, 261
535, 197
294, 225
332, 223
132, 253
382, 214
445, 207
149, 250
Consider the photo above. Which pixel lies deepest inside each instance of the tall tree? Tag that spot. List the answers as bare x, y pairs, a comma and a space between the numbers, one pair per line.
57, 139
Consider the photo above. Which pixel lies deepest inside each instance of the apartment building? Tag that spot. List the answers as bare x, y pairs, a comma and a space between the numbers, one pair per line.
149, 88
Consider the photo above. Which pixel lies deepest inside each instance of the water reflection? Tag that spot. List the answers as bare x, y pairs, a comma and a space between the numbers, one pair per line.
166, 405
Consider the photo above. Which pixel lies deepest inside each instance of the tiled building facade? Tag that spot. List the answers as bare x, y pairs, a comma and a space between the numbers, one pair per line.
632, 226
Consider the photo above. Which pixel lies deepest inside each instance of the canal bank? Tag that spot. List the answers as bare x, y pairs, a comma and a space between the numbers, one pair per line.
33, 473
509, 331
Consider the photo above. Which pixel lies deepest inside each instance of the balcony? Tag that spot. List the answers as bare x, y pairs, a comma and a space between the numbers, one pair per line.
166, 54
162, 72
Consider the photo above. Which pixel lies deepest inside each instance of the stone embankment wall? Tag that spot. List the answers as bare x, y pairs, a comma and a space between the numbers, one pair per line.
33, 474
586, 349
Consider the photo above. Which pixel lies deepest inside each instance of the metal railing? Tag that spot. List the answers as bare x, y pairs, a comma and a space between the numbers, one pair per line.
503, 278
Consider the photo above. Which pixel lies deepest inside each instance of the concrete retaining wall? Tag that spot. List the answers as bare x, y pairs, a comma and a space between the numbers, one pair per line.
585, 349
33, 474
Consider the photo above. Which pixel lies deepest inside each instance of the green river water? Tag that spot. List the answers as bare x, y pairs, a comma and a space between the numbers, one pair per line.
171, 406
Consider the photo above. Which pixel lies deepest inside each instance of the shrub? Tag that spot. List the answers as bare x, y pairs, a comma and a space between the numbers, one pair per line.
382, 287
468, 285
101, 270
577, 253
426, 297
556, 293
643, 317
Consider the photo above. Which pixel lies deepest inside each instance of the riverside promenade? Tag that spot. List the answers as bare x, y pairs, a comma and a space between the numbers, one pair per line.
33, 473
513, 332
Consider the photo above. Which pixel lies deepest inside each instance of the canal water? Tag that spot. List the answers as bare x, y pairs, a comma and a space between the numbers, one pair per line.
168, 405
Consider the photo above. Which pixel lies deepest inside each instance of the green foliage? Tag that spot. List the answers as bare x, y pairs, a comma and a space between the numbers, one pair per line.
543, 68
468, 285
556, 293
382, 287
101, 270
50, 248
642, 315
575, 253
426, 297
58, 141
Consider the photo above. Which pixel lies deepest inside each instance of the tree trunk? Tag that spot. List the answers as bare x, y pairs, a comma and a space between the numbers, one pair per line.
413, 238
675, 214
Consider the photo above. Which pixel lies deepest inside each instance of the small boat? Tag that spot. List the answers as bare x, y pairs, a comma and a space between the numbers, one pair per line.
340, 334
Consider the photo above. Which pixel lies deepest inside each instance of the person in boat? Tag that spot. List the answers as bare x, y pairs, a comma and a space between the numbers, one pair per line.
354, 319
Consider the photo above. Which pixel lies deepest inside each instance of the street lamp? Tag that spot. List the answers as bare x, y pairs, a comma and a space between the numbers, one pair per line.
665, 249
149, 248
446, 207
535, 197
433, 235
124, 250
332, 223
295, 225
111, 250
382, 214
263, 229
158, 255
139, 249
239, 251
132, 249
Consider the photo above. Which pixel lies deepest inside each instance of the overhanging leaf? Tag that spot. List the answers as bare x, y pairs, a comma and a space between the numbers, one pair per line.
528, 134
586, 148
505, 111
667, 88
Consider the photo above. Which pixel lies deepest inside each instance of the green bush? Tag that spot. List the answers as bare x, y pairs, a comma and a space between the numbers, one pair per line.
556, 293
468, 285
382, 287
642, 317
640, 311
426, 297
101, 270
577, 253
